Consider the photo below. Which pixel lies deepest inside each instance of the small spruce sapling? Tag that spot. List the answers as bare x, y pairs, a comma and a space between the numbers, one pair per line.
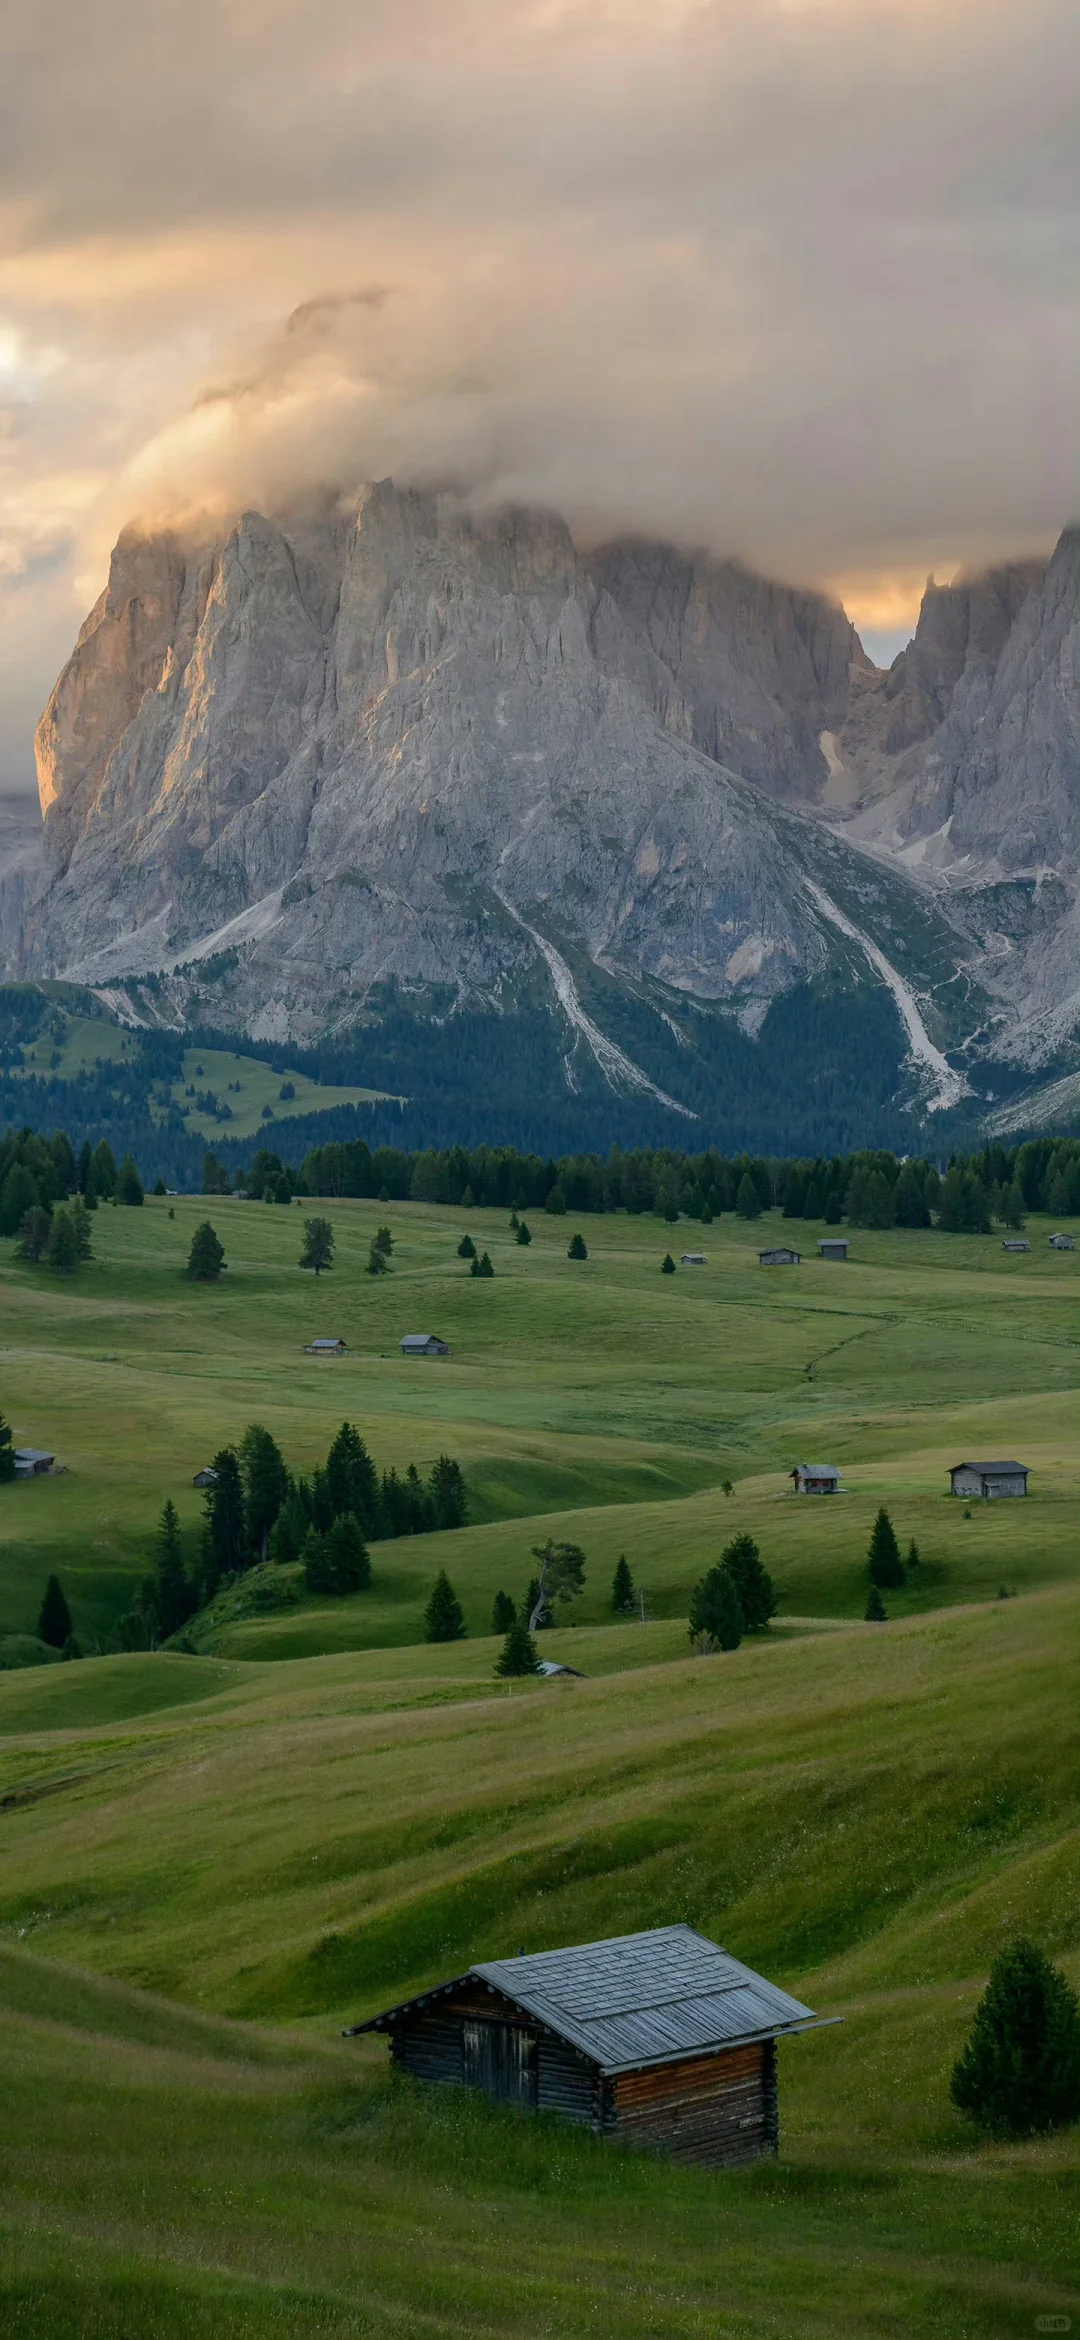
444, 1618
622, 1588
1019, 2074
883, 1558
875, 1612
578, 1248
667, 1265
524, 1234
466, 1248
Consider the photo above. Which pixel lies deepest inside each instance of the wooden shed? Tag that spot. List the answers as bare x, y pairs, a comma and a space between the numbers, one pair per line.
326, 1345
989, 1479
781, 1255
1061, 1241
32, 1462
424, 1345
833, 1246
816, 1479
661, 2039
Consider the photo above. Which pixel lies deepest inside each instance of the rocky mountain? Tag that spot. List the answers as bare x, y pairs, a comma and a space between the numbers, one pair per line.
391, 752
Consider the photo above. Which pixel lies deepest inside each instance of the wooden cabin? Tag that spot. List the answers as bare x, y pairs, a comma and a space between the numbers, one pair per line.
424, 1345
1015, 1243
816, 1479
833, 1246
692, 1259
780, 1256
661, 2039
207, 1477
1061, 1242
325, 1346
989, 1480
32, 1462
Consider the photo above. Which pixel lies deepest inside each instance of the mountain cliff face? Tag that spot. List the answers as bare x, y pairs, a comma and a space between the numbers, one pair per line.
396, 746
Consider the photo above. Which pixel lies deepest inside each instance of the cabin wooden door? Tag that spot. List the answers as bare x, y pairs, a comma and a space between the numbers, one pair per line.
501, 2059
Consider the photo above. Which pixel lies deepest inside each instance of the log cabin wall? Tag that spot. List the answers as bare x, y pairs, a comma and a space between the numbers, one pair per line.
713, 2109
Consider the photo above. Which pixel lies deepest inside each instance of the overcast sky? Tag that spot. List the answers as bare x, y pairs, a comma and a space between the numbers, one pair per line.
796, 279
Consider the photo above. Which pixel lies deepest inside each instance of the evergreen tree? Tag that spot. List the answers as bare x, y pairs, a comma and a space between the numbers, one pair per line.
316, 1567
910, 1196
419, 1508
747, 1200
503, 1613
377, 1263
320, 1502
7, 1453
667, 1265
443, 1617
265, 1483
912, 1560
54, 1616
753, 1585
875, 1611
62, 1248
578, 1248
531, 1604
556, 1202
206, 1258
71, 1648
518, 1654
714, 1609
963, 1207
101, 1175
448, 1493
814, 1202
18, 1196
1019, 2074
290, 1529
346, 1559
514, 1221
466, 1248
318, 1246
878, 1206
1012, 1205
524, 1234
81, 1221
223, 1525
834, 1211
34, 1230
168, 1595
352, 1480
383, 1241
883, 1559
481, 1266
83, 1169
622, 1588
129, 1186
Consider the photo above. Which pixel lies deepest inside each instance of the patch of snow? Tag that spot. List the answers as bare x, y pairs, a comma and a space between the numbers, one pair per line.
949, 1086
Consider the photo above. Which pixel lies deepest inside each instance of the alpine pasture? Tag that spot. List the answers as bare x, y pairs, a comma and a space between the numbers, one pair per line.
214, 1861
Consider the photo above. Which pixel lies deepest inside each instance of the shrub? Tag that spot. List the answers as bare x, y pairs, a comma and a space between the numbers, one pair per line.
1019, 2073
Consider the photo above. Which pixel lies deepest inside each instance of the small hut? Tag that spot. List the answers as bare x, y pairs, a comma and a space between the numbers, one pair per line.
989, 1480
780, 1256
32, 1462
1015, 1243
325, 1346
424, 1345
833, 1246
816, 1479
661, 2039
207, 1477
692, 1259
1061, 1241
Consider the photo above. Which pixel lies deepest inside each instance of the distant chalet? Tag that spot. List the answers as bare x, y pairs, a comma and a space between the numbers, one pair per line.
325, 1348
32, 1462
692, 1259
424, 1345
207, 1477
816, 1479
1016, 1243
833, 1246
661, 2039
1062, 1242
989, 1479
780, 1256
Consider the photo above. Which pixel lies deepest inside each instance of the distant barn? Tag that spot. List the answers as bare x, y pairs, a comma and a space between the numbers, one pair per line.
32, 1462
325, 1347
989, 1479
1061, 1242
816, 1479
661, 2039
780, 1256
692, 1259
424, 1345
833, 1246
207, 1477
1016, 1243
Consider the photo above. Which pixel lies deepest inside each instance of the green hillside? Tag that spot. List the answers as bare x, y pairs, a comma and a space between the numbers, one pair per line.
213, 1862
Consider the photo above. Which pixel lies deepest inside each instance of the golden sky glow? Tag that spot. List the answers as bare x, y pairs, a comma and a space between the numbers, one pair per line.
795, 279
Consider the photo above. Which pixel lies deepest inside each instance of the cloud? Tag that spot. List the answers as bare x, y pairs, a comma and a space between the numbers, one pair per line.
793, 278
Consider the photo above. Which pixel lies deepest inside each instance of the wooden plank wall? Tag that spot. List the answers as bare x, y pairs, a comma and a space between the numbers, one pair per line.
713, 2109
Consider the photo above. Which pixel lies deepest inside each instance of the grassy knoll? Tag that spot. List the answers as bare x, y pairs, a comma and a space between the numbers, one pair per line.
598, 1396
196, 1896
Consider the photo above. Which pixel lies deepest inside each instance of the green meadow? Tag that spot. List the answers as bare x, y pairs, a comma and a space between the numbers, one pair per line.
214, 1862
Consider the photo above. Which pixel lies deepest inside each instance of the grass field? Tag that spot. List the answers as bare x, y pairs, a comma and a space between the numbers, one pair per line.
70, 1044
213, 1862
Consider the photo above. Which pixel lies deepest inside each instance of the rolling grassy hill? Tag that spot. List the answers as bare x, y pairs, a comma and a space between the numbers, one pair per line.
213, 1862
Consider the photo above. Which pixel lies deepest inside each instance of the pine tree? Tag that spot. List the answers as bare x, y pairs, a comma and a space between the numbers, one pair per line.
912, 1560
578, 1248
129, 1186
753, 1585
318, 1246
524, 1235
343, 1557
7, 1453
266, 1484
448, 1497
351, 1479
443, 1617
317, 1573
223, 1528
168, 1593
62, 1248
466, 1248
206, 1258
481, 1266
622, 1588
289, 1530
503, 1613
383, 1241
1012, 1205
101, 1176
747, 1200
883, 1559
81, 1221
54, 1616
714, 1609
71, 1648
34, 1231
667, 1265
875, 1611
18, 1196
518, 1655
1019, 2074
